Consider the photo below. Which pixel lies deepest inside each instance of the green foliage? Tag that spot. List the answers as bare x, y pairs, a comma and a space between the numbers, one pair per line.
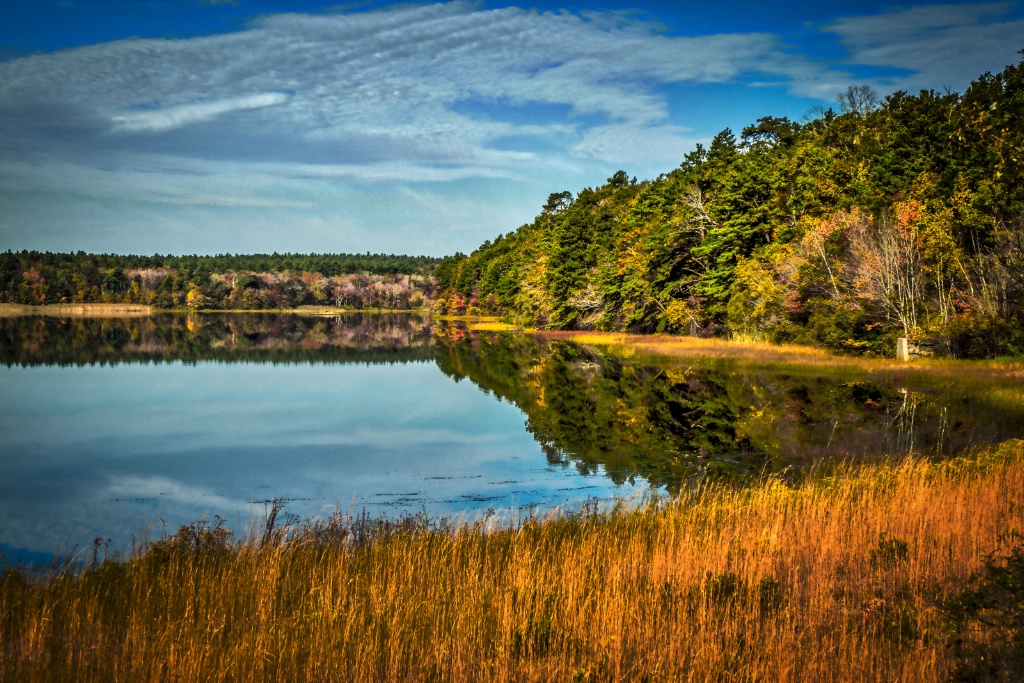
986, 620
777, 234
889, 553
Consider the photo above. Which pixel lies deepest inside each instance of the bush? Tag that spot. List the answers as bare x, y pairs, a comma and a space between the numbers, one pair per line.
986, 621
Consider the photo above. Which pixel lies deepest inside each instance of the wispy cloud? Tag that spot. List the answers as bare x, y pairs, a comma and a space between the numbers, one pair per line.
932, 47
174, 117
383, 83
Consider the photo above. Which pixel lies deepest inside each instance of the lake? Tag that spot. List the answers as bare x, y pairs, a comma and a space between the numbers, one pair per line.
126, 427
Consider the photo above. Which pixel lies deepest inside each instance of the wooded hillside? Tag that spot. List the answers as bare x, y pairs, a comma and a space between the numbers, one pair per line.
894, 217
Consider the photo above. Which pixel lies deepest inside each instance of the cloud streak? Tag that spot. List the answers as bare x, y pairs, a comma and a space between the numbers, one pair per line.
176, 117
936, 46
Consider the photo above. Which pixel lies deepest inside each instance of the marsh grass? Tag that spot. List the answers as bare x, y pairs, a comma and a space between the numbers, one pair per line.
492, 326
752, 353
840, 577
78, 310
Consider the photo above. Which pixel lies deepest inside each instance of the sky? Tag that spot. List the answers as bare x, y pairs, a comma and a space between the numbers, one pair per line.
242, 126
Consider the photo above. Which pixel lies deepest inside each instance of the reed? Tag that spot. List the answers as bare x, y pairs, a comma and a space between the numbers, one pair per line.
77, 310
492, 326
840, 577
750, 353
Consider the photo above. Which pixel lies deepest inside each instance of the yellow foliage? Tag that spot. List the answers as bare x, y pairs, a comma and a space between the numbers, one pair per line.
195, 299
757, 294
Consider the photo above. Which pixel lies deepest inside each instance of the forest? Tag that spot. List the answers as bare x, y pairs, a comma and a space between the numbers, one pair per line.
223, 281
894, 217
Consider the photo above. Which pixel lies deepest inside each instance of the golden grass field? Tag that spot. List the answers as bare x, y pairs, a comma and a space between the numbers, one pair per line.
759, 353
838, 578
78, 310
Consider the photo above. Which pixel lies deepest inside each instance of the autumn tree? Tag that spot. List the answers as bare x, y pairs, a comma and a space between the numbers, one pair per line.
886, 263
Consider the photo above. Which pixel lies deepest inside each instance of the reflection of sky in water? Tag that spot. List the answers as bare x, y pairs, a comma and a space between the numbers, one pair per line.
106, 451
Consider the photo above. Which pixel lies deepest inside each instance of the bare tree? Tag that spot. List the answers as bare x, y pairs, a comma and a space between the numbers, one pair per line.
859, 100
887, 266
995, 277
814, 241
700, 221
588, 302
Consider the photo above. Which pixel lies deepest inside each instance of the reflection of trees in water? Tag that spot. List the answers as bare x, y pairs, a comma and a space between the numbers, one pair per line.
922, 425
667, 423
591, 410
904, 421
587, 409
36, 340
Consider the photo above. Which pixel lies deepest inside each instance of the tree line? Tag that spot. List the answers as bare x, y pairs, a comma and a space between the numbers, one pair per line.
251, 282
901, 216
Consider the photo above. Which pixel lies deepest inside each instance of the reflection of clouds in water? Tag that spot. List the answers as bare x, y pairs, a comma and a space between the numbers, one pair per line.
133, 506
409, 438
69, 524
113, 451
124, 488
162, 409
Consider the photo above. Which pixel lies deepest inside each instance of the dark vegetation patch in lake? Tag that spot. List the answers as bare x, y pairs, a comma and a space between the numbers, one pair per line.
113, 424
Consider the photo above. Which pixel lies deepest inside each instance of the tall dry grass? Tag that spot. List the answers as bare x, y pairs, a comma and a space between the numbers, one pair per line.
834, 579
762, 353
77, 310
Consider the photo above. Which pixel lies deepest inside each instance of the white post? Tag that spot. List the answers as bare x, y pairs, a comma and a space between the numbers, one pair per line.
902, 352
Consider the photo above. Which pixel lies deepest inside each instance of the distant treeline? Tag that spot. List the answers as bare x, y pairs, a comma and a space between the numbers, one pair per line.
253, 281
894, 217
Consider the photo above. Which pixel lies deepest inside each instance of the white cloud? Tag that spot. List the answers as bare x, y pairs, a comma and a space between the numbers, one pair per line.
934, 46
174, 117
385, 78
653, 146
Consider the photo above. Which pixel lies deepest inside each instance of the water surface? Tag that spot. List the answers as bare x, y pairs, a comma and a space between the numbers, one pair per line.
115, 426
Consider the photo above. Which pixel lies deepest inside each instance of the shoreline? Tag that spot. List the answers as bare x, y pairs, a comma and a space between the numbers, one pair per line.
762, 354
668, 347
91, 310
98, 310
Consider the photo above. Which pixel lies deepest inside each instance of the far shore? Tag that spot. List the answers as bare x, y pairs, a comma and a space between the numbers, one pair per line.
94, 310
77, 310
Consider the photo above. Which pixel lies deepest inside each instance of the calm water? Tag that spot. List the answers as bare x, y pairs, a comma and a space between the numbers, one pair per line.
114, 426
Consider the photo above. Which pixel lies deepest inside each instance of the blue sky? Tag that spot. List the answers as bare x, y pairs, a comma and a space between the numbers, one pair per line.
183, 126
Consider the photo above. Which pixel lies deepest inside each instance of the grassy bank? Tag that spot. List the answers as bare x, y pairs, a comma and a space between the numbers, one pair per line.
760, 354
839, 578
78, 310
